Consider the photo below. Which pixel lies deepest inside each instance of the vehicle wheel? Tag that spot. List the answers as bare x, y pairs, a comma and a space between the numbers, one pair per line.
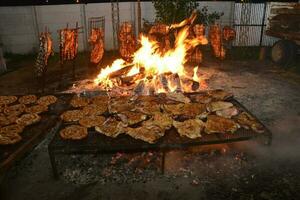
283, 52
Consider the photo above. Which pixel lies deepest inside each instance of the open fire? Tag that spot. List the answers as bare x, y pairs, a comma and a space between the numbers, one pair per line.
152, 71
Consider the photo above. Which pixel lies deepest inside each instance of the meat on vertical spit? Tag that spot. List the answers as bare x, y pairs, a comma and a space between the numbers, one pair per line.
68, 44
228, 33
96, 40
215, 38
45, 50
127, 41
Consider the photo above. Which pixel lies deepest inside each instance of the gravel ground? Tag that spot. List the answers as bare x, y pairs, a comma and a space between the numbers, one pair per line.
245, 170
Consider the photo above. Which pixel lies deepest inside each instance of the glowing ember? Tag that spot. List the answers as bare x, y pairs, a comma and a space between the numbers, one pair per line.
159, 71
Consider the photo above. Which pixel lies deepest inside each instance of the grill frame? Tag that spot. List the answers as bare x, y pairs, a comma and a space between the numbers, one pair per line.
97, 143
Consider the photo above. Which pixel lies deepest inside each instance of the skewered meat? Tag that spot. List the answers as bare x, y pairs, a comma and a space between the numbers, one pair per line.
97, 43
45, 50
228, 33
127, 40
68, 44
160, 33
216, 41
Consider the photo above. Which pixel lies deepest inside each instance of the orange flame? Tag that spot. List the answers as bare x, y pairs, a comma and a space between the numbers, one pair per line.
154, 64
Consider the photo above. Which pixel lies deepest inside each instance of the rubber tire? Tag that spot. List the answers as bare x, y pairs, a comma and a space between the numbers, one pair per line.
283, 52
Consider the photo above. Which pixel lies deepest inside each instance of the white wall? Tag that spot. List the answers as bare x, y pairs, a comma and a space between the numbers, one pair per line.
19, 28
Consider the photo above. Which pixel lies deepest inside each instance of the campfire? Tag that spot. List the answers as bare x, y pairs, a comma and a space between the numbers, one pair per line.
152, 71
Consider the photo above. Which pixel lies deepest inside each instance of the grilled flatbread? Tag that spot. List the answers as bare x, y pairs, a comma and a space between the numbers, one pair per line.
247, 121
15, 109
220, 95
217, 124
201, 98
148, 107
162, 120
218, 105
147, 133
7, 119
28, 119
9, 138
6, 100
74, 132
72, 115
100, 100
130, 118
94, 109
179, 97
28, 99
191, 128
91, 121
12, 129
77, 102
119, 105
189, 110
110, 128
47, 100
228, 112
37, 109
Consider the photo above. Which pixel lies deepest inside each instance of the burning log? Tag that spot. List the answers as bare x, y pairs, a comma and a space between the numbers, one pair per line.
131, 79
189, 84
121, 72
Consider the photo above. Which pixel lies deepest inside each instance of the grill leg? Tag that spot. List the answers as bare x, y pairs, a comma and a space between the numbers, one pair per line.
163, 162
53, 164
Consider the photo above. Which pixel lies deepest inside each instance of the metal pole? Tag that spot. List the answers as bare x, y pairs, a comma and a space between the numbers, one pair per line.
262, 25
139, 17
83, 21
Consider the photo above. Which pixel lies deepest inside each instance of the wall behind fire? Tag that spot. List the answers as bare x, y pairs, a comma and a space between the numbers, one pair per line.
20, 26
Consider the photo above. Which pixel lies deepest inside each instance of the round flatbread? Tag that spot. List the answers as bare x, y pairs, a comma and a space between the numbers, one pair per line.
37, 109
7, 120
94, 109
74, 132
28, 119
12, 129
47, 100
92, 121
6, 100
16, 110
28, 99
100, 100
9, 138
77, 102
72, 115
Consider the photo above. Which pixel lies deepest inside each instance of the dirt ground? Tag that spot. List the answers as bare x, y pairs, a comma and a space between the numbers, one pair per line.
244, 170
